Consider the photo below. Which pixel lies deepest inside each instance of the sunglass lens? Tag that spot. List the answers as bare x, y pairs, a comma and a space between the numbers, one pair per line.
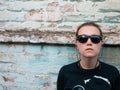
95, 39
82, 39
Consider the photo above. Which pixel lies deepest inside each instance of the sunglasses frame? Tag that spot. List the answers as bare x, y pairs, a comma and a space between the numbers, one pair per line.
94, 38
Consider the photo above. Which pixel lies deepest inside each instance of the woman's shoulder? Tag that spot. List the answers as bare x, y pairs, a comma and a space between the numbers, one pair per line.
108, 67
70, 66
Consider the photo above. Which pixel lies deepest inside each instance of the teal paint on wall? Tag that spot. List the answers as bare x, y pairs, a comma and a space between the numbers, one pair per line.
36, 66
32, 67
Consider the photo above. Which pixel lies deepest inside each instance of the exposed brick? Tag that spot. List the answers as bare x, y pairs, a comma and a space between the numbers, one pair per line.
35, 15
57, 15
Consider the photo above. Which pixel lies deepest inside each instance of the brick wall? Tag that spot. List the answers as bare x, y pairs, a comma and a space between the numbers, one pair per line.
21, 19
37, 38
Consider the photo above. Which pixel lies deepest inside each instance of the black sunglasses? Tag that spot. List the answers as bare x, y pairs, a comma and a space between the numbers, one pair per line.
94, 38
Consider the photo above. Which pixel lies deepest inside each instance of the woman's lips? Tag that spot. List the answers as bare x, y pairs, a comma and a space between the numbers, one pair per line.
89, 49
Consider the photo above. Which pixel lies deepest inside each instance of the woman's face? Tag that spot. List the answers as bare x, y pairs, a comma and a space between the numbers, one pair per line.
89, 49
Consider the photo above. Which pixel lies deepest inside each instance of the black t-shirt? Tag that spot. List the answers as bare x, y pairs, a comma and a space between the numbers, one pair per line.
103, 77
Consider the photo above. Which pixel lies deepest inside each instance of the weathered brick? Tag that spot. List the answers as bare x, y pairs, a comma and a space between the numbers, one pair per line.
12, 16
35, 15
26, 5
110, 6
2, 5
43, 12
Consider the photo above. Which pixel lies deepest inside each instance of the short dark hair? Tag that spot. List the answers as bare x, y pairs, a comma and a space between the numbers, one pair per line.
89, 24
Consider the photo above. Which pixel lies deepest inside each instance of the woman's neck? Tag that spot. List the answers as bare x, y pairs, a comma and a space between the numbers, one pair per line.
89, 63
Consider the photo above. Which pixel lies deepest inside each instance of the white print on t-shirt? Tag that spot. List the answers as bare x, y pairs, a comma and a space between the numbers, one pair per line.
105, 79
96, 82
99, 77
86, 81
78, 87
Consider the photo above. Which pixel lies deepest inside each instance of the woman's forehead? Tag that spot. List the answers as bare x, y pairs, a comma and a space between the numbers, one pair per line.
89, 30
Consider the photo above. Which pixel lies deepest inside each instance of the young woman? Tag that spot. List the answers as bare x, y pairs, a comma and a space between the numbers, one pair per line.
88, 73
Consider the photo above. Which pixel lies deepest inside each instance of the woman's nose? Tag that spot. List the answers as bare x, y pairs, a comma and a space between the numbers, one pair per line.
89, 41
